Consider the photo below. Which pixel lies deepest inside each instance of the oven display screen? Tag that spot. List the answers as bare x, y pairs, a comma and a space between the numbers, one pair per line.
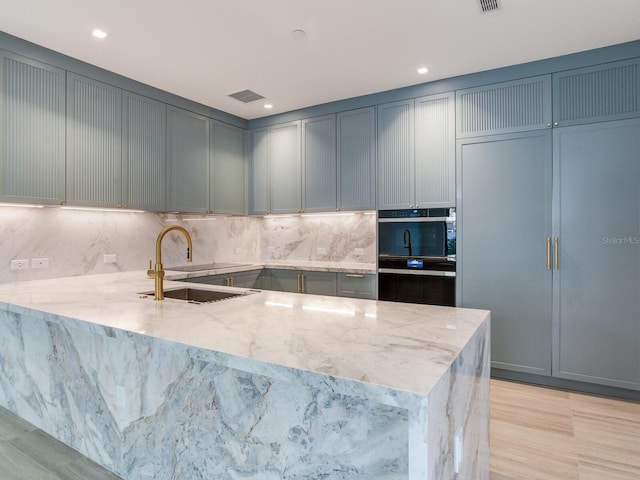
414, 263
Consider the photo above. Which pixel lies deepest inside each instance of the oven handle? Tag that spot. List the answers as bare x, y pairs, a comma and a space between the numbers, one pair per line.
430, 273
416, 219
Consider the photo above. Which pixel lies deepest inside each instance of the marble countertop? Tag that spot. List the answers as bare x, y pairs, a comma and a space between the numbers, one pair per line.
213, 269
403, 347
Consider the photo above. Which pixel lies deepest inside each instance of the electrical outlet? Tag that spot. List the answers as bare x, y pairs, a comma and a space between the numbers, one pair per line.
110, 258
20, 264
358, 251
271, 249
39, 263
322, 251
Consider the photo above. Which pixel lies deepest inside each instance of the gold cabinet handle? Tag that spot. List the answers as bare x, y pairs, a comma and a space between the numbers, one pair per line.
555, 253
302, 277
298, 287
354, 275
548, 253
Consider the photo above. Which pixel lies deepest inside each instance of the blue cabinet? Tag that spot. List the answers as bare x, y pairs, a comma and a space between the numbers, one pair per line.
275, 169
94, 147
319, 165
228, 170
435, 151
356, 158
507, 107
298, 281
188, 161
596, 94
259, 199
32, 130
504, 234
416, 153
597, 275
357, 285
144, 153
396, 155
285, 168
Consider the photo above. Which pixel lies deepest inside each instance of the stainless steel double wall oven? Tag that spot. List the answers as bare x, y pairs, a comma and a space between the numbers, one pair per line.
416, 256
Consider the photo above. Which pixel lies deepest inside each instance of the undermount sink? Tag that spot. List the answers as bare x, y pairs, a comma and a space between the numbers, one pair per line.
196, 295
207, 266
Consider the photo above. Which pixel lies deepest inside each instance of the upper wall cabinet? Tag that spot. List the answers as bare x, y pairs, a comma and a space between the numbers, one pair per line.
227, 184
188, 164
32, 131
259, 202
595, 94
507, 107
416, 153
144, 157
275, 173
356, 159
396, 159
285, 170
319, 164
94, 132
435, 170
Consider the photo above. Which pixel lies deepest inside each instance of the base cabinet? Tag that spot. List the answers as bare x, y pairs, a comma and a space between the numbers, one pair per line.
298, 281
357, 285
249, 279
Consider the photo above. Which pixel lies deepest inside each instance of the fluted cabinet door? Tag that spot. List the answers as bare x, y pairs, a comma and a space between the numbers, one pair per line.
396, 155
94, 139
259, 199
507, 107
285, 168
228, 177
188, 150
144, 157
356, 153
596, 94
32, 129
319, 164
435, 151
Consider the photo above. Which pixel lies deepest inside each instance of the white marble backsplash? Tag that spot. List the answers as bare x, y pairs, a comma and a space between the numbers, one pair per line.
75, 241
340, 237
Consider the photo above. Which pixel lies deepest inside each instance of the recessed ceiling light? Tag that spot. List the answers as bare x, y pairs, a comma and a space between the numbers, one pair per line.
423, 70
99, 33
268, 106
298, 33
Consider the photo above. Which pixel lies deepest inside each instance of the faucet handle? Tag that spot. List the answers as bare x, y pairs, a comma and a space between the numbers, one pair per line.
151, 272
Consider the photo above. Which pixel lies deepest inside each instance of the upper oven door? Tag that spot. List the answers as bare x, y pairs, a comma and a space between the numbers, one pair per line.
412, 237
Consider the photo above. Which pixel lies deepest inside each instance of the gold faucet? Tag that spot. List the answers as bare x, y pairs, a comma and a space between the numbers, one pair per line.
158, 273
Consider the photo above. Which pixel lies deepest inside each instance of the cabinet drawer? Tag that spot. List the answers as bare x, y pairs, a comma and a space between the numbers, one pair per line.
357, 285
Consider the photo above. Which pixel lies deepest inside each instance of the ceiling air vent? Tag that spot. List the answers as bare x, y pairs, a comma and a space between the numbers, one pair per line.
246, 96
489, 5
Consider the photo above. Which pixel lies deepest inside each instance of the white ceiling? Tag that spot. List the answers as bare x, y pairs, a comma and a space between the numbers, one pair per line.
206, 49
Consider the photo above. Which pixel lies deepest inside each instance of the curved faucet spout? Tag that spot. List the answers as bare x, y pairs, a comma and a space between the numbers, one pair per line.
158, 273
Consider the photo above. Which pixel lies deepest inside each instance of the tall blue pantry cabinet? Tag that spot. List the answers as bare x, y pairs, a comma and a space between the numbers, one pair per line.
549, 218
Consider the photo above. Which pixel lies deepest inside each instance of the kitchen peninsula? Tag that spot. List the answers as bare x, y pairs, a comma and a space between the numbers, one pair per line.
266, 385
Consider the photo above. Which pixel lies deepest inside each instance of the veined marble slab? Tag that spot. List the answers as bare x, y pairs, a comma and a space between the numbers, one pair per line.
267, 385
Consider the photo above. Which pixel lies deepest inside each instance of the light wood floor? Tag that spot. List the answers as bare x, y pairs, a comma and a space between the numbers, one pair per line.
540, 433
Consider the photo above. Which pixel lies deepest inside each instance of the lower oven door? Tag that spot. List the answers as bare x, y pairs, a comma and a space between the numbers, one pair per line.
420, 286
